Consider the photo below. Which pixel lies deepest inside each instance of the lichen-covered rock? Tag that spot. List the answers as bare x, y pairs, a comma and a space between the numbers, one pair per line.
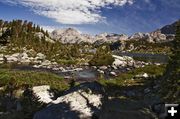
122, 61
78, 103
43, 93
40, 56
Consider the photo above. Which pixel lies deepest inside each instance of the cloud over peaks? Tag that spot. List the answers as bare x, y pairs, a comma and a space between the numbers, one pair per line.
70, 11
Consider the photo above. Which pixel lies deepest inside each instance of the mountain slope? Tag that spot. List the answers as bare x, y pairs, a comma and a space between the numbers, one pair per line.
169, 29
172, 75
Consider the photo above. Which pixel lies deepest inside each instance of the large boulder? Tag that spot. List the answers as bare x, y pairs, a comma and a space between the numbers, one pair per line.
118, 63
40, 56
121, 61
1, 58
113, 73
23, 58
24, 55
43, 93
103, 67
10, 58
80, 102
46, 63
25, 61
17, 55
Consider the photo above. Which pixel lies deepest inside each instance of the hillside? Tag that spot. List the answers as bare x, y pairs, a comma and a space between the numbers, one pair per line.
67, 74
169, 29
172, 75
21, 36
68, 46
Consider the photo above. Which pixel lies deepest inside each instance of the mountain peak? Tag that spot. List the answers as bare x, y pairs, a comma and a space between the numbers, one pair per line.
169, 29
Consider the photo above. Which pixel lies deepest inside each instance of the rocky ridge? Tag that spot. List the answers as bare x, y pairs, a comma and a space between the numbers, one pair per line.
70, 35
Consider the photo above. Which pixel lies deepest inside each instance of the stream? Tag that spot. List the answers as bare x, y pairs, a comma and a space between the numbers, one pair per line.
85, 75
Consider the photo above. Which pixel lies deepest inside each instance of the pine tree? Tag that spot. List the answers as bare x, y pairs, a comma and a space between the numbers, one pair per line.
1, 24
47, 34
38, 29
30, 27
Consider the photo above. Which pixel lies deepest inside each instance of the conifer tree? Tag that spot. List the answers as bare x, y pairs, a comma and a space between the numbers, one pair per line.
47, 34
1, 24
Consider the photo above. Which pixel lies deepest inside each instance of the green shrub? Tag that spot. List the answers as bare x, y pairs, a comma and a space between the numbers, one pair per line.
102, 56
151, 70
32, 78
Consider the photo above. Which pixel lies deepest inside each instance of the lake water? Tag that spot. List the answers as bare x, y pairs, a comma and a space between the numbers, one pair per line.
160, 58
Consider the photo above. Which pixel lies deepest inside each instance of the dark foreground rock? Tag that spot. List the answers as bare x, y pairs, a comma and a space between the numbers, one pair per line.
81, 102
125, 109
89, 101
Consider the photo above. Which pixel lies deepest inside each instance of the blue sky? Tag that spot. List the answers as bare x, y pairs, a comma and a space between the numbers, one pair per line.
94, 16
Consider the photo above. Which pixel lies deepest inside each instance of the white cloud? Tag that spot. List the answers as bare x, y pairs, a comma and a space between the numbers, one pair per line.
70, 11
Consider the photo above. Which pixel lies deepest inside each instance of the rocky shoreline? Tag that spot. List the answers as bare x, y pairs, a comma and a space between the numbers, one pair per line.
39, 62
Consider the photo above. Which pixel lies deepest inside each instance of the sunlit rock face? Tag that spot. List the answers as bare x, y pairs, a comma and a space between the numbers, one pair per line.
148, 38
40, 35
123, 37
81, 102
122, 61
158, 36
152, 37
137, 36
43, 93
70, 35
